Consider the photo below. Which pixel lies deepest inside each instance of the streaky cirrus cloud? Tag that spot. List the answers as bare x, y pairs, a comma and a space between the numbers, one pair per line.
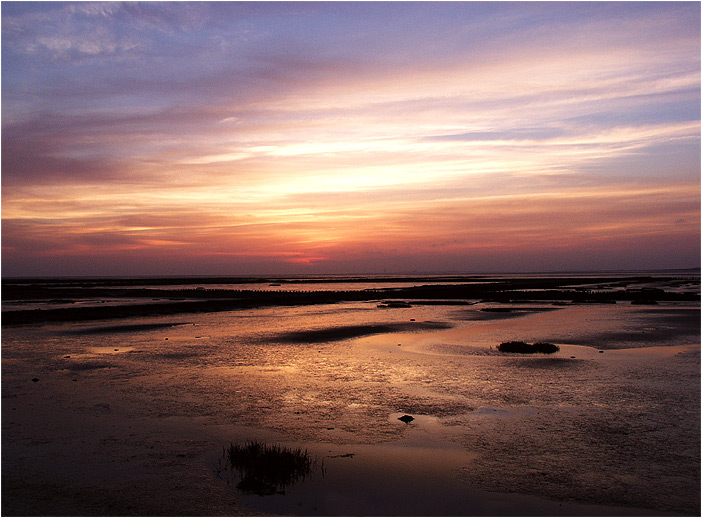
234, 137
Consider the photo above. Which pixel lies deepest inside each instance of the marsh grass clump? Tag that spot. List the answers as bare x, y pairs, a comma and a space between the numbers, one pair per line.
546, 347
525, 348
267, 469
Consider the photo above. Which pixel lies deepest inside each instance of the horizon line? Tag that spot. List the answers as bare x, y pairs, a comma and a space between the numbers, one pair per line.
697, 269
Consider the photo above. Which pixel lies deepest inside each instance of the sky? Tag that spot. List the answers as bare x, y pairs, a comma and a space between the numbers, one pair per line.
233, 138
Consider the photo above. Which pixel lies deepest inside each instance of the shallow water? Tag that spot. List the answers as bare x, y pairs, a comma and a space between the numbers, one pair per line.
120, 404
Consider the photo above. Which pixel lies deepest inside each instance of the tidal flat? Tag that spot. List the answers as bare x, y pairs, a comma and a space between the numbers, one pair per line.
125, 414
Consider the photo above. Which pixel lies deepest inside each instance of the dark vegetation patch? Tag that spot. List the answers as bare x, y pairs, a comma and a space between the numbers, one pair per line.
658, 326
443, 303
631, 339
264, 469
331, 334
680, 317
126, 328
495, 313
395, 304
525, 348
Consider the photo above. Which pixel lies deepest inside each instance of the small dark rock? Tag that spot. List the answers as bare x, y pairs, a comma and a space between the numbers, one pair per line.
600, 352
35, 380
406, 418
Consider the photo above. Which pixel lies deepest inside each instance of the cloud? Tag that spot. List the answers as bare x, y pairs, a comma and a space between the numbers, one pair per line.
65, 32
513, 134
302, 129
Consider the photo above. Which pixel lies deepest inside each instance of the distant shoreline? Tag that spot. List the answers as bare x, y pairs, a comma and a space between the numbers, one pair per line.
152, 297
348, 277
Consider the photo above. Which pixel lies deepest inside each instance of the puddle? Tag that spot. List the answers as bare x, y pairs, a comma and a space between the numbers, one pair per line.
416, 475
401, 479
421, 474
394, 479
125, 328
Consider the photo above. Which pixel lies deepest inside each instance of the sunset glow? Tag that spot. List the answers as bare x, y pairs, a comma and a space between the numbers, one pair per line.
253, 138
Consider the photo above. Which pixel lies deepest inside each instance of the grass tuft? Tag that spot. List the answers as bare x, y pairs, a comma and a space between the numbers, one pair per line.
525, 348
267, 469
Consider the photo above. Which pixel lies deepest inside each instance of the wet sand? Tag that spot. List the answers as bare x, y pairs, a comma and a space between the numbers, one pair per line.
131, 420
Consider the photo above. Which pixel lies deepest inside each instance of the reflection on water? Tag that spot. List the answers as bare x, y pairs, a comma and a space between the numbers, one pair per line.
266, 469
360, 480
618, 428
419, 475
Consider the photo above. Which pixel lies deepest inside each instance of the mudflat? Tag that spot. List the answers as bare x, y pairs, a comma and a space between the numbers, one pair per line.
130, 416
